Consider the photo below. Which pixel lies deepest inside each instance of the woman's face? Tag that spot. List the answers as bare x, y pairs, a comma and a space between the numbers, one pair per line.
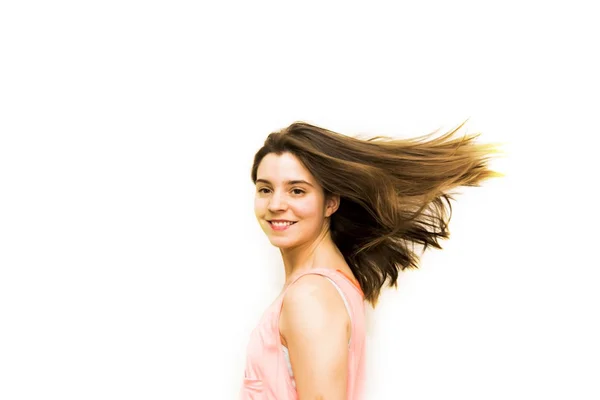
289, 204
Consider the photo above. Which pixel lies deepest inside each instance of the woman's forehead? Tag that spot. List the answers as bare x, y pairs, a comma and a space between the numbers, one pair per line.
282, 168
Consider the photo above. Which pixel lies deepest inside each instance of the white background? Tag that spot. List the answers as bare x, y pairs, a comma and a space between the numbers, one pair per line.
131, 265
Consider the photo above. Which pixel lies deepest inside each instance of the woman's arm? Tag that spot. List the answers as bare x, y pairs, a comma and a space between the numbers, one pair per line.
315, 326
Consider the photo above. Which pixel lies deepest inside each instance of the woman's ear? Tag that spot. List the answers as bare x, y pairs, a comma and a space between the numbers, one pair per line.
331, 204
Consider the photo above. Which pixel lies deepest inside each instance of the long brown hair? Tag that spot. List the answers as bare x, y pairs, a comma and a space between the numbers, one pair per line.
394, 193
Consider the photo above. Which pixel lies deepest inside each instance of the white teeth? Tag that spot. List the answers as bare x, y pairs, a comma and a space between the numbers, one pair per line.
281, 223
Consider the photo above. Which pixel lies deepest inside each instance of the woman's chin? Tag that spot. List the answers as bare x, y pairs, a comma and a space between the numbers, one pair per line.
281, 243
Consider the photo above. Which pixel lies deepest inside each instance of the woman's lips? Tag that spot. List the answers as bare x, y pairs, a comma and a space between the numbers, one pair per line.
280, 226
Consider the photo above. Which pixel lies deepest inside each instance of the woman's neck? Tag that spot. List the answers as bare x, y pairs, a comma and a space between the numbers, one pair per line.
321, 253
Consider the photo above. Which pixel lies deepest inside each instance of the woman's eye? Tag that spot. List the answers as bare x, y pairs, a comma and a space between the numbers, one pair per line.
297, 191
262, 190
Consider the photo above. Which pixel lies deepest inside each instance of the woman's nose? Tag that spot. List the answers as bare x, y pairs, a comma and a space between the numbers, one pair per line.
278, 202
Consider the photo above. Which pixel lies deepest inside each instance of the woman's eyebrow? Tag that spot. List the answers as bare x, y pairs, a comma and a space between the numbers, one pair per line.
293, 182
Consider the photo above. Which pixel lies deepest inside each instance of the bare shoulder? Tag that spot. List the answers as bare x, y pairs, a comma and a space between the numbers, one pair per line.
312, 304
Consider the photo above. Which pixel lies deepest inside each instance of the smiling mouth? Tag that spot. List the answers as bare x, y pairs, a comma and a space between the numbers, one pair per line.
280, 226
277, 223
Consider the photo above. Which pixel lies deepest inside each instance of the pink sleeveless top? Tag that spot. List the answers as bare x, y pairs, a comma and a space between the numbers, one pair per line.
266, 376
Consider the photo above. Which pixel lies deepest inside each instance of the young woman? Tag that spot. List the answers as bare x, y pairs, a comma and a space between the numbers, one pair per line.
346, 214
